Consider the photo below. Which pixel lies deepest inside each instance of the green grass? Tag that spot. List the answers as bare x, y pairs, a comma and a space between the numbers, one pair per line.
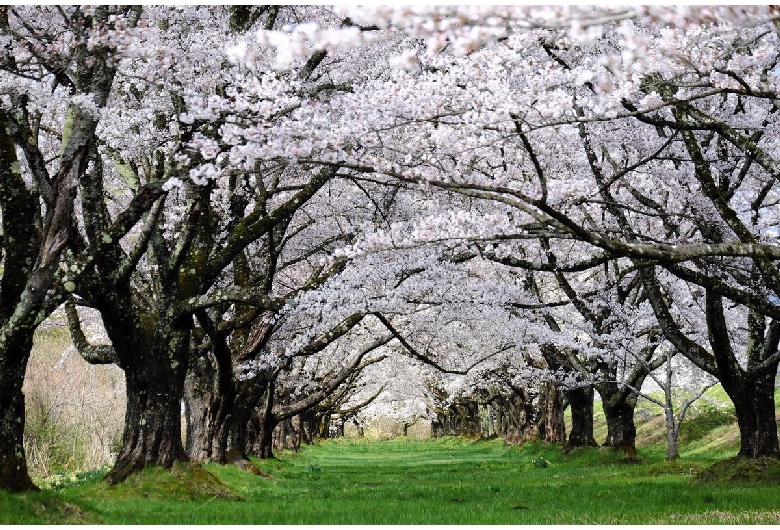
444, 481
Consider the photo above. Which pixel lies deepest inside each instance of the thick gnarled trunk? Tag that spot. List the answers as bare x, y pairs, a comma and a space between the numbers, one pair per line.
518, 417
209, 411
152, 432
754, 405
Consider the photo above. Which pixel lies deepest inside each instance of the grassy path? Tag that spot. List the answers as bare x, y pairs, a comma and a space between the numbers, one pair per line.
448, 481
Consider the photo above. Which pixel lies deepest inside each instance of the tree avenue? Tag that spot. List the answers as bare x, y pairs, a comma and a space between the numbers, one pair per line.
275, 209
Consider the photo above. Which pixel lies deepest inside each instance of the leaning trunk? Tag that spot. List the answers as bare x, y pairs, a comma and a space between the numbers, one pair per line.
152, 433
581, 403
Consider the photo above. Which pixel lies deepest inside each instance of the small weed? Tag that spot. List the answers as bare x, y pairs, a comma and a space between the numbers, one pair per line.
65, 479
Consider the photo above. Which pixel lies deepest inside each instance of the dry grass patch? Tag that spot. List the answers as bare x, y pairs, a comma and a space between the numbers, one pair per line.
74, 410
726, 517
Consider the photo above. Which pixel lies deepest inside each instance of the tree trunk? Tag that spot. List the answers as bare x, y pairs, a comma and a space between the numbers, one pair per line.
152, 435
309, 426
581, 403
751, 392
519, 417
13, 462
267, 425
672, 433
621, 430
209, 407
552, 427
297, 426
754, 404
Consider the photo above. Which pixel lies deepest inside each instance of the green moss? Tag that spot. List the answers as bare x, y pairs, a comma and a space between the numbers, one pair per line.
42, 508
764, 470
184, 482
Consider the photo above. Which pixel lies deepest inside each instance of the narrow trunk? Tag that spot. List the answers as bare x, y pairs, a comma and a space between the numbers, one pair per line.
13, 462
266, 436
152, 432
672, 431
552, 427
581, 403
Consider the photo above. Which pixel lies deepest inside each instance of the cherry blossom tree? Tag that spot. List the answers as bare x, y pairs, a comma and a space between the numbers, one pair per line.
633, 139
58, 70
248, 199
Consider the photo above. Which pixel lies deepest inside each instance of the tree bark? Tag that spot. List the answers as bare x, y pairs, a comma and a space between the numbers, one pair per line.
519, 417
265, 425
20, 211
581, 404
552, 427
208, 410
751, 390
297, 426
14, 476
152, 434
754, 404
672, 433
621, 430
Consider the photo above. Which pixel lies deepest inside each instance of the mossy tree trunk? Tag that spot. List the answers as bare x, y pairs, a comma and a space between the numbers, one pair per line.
152, 432
14, 475
21, 239
32, 245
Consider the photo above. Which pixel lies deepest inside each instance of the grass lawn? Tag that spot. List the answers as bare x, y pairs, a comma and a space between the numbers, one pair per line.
444, 481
